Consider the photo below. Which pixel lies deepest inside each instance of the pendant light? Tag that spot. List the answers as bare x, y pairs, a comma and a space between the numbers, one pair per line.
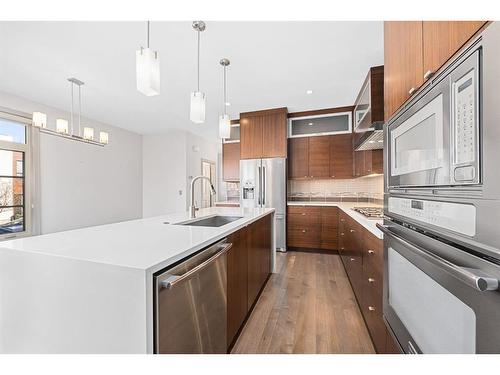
70, 129
198, 99
224, 121
147, 70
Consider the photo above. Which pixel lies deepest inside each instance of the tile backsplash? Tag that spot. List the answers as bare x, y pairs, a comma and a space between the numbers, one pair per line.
366, 189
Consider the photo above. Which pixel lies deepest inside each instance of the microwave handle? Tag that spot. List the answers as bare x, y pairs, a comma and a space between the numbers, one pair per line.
471, 277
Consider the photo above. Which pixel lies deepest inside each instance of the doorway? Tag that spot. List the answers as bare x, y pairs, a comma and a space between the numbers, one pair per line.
207, 170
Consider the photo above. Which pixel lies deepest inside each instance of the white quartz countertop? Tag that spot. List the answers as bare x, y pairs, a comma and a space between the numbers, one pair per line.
146, 244
347, 207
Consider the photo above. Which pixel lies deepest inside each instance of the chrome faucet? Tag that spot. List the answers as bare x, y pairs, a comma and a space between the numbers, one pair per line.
192, 206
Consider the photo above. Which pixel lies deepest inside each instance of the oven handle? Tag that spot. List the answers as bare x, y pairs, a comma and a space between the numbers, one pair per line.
472, 277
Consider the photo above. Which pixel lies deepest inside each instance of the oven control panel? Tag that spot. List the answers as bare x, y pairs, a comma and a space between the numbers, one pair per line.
457, 217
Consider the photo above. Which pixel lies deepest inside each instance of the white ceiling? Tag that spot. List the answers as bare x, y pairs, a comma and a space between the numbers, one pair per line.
272, 65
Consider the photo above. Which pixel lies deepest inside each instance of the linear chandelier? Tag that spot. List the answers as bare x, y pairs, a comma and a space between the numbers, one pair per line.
66, 129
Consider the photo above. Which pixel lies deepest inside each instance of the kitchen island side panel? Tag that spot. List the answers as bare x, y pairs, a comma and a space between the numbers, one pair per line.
54, 304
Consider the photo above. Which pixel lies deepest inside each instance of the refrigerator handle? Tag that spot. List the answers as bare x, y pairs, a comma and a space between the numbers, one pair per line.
260, 186
263, 186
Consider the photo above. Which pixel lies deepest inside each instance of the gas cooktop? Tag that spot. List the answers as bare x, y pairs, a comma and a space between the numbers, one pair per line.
370, 212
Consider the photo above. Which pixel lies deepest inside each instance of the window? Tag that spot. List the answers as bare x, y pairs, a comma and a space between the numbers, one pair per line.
14, 186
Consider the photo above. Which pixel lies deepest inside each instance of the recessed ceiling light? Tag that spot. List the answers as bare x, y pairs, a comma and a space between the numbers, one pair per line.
311, 124
371, 141
228, 104
309, 92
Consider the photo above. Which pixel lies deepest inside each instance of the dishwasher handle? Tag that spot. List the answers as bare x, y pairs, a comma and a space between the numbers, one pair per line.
172, 280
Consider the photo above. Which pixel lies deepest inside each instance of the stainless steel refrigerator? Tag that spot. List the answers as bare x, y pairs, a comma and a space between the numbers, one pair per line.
263, 184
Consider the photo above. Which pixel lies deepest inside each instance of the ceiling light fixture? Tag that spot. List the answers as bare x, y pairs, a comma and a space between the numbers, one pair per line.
66, 129
309, 92
311, 124
224, 121
198, 99
147, 64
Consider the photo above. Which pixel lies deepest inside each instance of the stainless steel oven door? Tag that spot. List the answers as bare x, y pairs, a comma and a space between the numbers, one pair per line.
435, 142
438, 298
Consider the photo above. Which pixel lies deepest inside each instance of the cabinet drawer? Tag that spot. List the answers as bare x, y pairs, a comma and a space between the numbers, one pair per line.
373, 254
304, 236
372, 312
299, 220
305, 210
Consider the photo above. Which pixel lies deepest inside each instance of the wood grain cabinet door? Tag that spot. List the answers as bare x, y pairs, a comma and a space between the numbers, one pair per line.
231, 161
274, 135
441, 39
319, 157
237, 283
329, 228
251, 137
341, 156
298, 161
403, 62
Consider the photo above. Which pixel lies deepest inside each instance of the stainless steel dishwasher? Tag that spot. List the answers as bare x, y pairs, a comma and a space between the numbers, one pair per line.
190, 303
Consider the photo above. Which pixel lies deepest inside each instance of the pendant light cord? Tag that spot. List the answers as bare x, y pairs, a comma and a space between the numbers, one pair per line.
198, 61
71, 85
225, 89
148, 35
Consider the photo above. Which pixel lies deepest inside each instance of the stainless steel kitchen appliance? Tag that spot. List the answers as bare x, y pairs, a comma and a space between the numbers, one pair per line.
190, 304
442, 202
263, 184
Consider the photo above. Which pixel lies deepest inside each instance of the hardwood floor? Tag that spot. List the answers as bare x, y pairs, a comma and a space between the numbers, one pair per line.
308, 306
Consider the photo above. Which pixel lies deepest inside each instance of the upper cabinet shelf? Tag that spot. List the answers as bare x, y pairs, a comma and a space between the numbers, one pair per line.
315, 124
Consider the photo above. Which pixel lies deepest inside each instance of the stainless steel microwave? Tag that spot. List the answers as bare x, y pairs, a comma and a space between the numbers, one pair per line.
436, 141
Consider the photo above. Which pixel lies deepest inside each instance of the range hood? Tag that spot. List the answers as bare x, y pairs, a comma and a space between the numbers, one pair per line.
371, 139
369, 112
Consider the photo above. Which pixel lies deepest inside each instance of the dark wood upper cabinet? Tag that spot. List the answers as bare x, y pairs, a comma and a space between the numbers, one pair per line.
231, 161
263, 134
415, 50
319, 157
341, 156
403, 62
298, 157
441, 39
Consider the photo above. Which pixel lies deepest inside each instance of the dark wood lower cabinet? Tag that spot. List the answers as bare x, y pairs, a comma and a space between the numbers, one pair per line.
362, 255
311, 227
237, 283
248, 267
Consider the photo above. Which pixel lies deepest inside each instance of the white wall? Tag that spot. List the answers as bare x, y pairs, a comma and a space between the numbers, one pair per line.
170, 160
164, 173
80, 184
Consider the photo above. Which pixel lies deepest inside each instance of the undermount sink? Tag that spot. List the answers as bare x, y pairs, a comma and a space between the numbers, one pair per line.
213, 221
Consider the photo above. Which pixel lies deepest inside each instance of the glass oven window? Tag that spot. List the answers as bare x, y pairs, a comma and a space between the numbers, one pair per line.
438, 321
417, 144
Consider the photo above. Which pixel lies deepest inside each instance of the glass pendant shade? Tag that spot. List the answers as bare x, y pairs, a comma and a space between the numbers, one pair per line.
104, 137
88, 133
62, 126
197, 114
224, 126
39, 119
148, 71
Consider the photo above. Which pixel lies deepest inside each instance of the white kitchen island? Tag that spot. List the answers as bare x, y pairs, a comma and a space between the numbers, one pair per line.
91, 290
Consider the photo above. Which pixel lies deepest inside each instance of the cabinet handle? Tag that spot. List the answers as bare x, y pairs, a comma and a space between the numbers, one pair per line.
303, 231
342, 248
333, 175
428, 74
371, 252
351, 230
352, 259
342, 220
303, 214
371, 308
371, 280
412, 91
342, 233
